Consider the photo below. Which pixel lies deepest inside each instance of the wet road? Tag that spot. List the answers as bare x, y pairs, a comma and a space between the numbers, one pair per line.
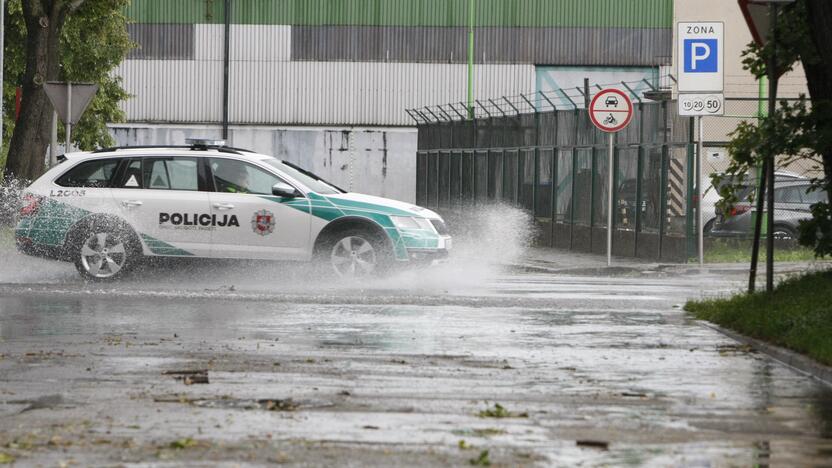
587, 369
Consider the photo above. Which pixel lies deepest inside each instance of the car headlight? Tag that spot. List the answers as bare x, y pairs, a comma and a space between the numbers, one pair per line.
407, 222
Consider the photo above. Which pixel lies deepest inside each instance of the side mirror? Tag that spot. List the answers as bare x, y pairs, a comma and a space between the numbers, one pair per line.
284, 190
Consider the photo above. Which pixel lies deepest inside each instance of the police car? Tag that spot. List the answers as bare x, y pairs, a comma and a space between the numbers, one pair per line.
107, 210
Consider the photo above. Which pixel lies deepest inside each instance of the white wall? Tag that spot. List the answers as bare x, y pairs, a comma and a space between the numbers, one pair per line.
375, 161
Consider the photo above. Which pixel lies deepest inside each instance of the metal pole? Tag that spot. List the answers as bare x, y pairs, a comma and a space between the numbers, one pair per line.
758, 225
610, 182
53, 144
772, 96
586, 93
2, 77
68, 117
470, 59
699, 231
225, 61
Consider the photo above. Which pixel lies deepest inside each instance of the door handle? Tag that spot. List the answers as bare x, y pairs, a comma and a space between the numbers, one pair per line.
131, 203
223, 206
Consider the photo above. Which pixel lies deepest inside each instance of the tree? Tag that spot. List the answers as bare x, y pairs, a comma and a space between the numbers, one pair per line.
798, 130
60, 40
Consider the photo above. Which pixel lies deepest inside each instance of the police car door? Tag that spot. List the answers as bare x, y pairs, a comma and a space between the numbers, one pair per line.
256, 224
166, 202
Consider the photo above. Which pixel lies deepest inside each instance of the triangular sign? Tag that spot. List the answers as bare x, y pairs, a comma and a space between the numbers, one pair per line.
82, 94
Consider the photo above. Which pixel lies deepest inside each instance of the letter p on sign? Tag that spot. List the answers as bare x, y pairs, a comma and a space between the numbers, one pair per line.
701, 55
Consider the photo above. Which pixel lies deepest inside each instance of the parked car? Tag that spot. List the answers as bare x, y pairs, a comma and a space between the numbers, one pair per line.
711, 196
792, 203
107, 210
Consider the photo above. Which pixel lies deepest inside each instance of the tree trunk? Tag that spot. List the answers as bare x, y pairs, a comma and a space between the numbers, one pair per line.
27, 149
819, 78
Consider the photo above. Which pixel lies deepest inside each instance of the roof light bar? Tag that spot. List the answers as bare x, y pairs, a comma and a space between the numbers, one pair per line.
206, 142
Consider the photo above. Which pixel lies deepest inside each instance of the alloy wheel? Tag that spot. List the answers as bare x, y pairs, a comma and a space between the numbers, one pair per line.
103, 255
352, 257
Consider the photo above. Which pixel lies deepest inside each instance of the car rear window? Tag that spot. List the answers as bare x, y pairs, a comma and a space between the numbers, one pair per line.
96, 173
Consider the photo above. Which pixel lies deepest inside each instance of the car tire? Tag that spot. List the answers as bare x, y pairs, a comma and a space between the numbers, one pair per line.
784, 233
355, 253
104, 250
709, 226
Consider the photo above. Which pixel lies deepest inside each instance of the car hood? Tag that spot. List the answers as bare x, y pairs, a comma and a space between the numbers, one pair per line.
384, 205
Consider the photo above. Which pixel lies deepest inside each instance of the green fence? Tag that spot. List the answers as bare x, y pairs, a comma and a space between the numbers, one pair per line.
554, 164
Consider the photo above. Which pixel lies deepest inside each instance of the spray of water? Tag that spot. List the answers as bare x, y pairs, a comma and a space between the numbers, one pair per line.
485, 239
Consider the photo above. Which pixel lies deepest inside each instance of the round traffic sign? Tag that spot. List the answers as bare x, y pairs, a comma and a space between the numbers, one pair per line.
611, 110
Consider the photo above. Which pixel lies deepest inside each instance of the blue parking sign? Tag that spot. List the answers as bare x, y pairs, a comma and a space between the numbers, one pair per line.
701, 55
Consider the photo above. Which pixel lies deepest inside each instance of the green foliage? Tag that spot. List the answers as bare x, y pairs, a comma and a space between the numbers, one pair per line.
498, 411
730, 251
94, 40
482, 460
796, 315
799, 130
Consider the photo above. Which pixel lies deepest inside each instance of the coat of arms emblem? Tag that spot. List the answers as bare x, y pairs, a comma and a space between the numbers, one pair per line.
262, 222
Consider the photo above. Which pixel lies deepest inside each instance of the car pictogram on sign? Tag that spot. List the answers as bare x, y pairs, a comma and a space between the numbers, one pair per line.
610, 110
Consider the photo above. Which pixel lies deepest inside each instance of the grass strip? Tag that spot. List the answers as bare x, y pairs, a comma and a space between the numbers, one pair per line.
796, 315
721, 251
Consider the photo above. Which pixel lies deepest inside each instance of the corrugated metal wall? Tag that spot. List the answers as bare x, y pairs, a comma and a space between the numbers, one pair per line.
315, 93
445, 13
362, 62
563, 46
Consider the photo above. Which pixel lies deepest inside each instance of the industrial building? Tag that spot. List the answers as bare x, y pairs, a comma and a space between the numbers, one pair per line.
325, 83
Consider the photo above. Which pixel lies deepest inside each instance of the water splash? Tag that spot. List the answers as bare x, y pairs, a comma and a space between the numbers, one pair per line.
486, 238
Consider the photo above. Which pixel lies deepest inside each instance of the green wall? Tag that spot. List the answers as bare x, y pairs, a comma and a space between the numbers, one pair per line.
498, 13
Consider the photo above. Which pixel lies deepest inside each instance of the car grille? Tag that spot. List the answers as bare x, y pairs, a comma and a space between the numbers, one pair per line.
440, 226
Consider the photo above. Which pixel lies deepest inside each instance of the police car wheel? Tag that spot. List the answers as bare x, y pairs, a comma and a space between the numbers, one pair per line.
103, 253
357, 254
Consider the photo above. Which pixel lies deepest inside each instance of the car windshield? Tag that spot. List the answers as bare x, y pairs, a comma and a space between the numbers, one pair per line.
310, 180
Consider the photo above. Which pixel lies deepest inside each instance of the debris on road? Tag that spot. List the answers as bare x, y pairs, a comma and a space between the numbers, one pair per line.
189, 377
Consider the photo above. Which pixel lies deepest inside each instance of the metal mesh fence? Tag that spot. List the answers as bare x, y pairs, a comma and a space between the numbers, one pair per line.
554, 164
792, 197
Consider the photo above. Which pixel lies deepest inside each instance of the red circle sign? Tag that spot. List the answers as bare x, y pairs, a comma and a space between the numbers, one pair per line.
611, 110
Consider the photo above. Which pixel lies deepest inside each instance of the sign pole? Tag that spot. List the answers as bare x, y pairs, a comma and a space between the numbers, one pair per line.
610, 111
700, 146
53, 144
68, 120
611, 181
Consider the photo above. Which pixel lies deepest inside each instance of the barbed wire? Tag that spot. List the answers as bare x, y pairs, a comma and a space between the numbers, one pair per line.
537, 101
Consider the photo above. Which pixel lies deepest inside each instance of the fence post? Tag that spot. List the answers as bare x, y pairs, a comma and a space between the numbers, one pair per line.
690, 238
572, 201
553, 197
663, 197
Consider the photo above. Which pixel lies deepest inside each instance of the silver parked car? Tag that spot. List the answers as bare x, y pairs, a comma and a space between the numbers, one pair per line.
792, 203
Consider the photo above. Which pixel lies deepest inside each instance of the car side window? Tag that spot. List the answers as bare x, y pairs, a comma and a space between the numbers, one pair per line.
96, 173
815, 196
787, 195
232, 176
170, 174
132, 177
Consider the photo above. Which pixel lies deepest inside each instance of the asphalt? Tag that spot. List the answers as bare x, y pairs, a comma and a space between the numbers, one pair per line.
589, 366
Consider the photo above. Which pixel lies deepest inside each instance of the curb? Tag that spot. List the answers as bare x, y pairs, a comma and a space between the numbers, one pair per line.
795, 361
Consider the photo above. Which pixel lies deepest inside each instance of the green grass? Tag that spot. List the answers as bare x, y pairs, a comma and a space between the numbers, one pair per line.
722, 251
796, 315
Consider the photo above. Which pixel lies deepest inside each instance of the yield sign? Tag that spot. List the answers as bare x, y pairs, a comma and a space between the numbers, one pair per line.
81, 93
756, 16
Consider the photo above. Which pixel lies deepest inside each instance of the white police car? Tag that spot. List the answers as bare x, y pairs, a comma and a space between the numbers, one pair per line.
108, 209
